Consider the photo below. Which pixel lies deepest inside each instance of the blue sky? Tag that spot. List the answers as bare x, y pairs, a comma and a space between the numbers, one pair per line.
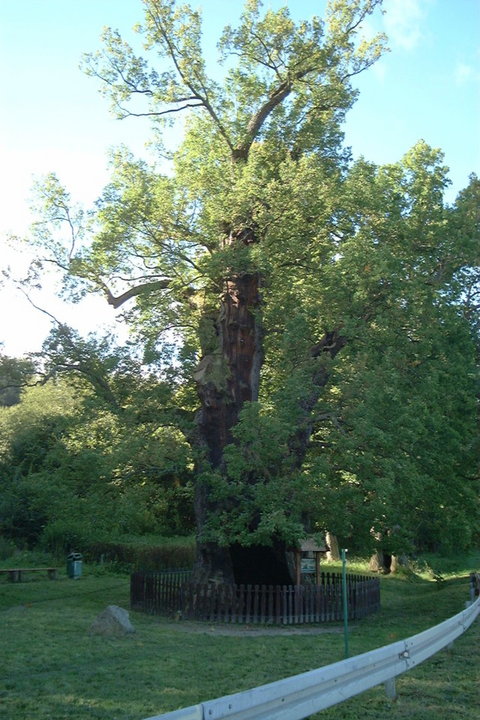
52, 117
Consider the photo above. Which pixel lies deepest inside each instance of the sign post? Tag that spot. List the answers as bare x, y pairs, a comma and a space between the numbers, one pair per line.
345, 601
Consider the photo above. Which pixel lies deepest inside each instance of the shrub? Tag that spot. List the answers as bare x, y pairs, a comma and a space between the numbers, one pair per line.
146, 557
63, 536
7, 548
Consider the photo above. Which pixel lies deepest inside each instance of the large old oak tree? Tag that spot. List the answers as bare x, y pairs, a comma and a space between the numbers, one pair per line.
258, 256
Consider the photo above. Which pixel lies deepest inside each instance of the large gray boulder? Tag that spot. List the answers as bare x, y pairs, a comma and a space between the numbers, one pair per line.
113, 620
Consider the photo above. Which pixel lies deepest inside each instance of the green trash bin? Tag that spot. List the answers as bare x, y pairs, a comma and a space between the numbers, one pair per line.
74, 565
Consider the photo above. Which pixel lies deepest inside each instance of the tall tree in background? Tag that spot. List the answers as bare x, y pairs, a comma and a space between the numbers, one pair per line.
15, 374
399, 446
259, 255
78, 465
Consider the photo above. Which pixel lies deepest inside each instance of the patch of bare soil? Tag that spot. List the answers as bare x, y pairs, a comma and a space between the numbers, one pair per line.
249, 630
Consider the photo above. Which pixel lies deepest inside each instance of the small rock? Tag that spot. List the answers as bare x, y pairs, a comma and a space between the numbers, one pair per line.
113, 620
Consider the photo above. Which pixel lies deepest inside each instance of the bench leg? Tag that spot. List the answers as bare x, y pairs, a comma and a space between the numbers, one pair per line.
15, 576
52, 574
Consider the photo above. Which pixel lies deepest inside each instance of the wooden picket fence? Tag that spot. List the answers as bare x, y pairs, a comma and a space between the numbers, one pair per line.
173, 593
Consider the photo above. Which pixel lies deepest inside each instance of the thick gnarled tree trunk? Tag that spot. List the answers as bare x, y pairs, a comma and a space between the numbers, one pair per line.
227, 376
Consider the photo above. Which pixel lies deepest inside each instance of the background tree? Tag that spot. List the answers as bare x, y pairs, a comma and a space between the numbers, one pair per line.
15, 373
76, 468
400, 442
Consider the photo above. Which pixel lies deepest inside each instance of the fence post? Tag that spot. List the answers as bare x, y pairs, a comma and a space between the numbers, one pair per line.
474, 586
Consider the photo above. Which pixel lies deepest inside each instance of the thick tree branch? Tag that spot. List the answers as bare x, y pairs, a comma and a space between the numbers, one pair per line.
257, 120
202, 98
117, 301
330, 345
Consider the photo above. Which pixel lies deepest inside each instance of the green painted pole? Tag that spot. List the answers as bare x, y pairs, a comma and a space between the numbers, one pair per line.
345, 601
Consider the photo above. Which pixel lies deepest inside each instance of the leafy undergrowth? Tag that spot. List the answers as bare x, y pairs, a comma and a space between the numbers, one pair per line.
53, 669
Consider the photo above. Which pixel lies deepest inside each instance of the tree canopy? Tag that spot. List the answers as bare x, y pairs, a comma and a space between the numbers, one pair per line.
313, 318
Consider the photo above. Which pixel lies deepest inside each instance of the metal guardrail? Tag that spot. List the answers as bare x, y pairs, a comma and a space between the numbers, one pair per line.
302, 695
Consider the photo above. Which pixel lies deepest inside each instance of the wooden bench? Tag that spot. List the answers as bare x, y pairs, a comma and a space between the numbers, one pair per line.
16, 574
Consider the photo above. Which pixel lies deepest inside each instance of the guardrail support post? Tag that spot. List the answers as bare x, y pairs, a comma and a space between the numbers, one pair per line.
390, 689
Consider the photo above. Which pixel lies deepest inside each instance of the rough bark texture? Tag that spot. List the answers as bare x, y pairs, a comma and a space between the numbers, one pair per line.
333, 553
380, 562
227, 377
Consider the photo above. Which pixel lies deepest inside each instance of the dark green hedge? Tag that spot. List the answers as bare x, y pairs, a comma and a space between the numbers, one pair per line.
144, 557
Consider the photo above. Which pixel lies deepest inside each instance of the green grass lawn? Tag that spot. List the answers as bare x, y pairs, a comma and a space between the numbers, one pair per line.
52, 668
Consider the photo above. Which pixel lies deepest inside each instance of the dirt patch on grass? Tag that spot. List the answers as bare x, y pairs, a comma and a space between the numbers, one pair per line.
249, 630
